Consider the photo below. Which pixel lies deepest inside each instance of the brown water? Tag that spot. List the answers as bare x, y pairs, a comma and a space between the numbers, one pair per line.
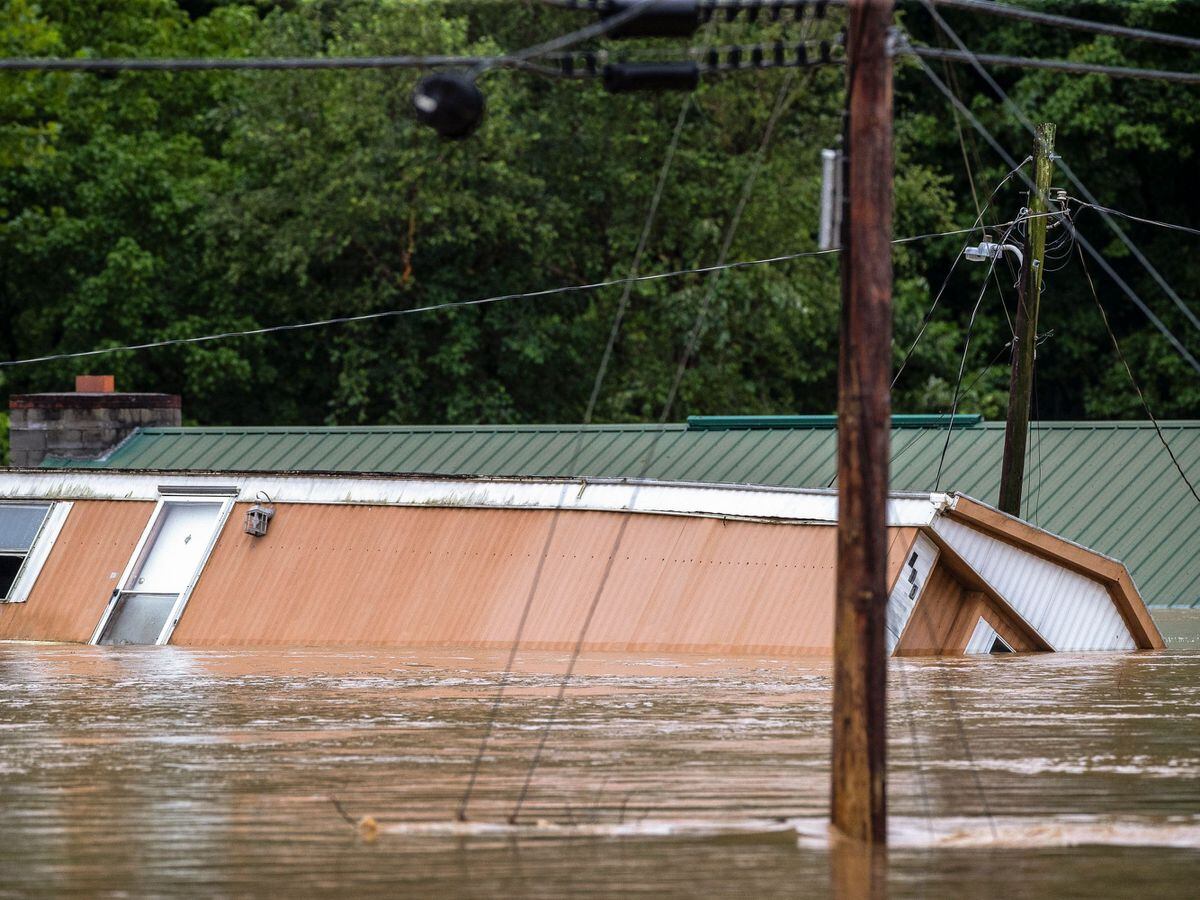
151, 771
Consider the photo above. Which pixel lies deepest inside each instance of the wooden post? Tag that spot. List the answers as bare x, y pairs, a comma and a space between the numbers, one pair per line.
858, 789
1016, 431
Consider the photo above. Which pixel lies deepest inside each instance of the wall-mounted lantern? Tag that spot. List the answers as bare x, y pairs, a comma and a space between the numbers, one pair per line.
258, 517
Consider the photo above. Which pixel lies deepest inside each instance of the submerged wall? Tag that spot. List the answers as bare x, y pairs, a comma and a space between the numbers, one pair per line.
344, 575
718, 570
350, 575
80, 573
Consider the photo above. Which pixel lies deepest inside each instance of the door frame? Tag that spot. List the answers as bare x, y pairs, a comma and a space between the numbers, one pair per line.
149, 533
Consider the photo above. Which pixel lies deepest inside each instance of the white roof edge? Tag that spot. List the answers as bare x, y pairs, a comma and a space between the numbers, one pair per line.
953, 501
600, 494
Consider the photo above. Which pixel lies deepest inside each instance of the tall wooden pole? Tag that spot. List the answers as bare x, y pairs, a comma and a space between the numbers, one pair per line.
1016, 431
858, 791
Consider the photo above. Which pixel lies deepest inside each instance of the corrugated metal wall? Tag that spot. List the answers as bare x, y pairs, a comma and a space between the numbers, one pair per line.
365, 575
1107, 485
1070, 611
80, 573
914, 573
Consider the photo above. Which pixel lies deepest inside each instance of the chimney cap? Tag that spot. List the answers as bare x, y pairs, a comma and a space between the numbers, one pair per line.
95, 384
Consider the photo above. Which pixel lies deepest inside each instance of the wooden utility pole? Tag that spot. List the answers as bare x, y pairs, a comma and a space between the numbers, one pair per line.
858, 791
1024, 353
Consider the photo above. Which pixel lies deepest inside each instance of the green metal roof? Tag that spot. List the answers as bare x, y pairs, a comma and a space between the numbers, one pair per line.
1108, 485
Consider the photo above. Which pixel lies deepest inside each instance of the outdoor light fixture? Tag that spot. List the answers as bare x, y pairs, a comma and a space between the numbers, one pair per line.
450, 103
258, 517
988, 250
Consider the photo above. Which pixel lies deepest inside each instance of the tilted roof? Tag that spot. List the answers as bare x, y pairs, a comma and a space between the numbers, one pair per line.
1110, 486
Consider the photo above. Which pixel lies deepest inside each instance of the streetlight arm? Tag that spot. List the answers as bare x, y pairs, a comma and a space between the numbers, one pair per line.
990, 250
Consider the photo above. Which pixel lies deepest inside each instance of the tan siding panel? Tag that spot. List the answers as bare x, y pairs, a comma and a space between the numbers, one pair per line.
74, 585
363, 575
931, 625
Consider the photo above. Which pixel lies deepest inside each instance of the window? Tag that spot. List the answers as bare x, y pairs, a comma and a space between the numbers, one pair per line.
155, 586
27, 532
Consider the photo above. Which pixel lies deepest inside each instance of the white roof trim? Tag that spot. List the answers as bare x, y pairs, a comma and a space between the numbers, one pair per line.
670, 498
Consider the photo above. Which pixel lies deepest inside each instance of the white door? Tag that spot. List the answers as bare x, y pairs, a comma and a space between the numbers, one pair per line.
153, 590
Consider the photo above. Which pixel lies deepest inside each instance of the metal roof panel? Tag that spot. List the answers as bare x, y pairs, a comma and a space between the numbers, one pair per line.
1108, 485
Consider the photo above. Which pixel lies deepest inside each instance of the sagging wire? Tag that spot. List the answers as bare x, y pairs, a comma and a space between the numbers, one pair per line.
1129, 292
692, 343
1025, 14
453, 304
1067, 170
1056, 65
1133, 381
568, 64
963, 363
1083, 204
928, 317
708, 12
601, 372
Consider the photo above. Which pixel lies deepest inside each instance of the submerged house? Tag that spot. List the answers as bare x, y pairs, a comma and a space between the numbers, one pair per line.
152, 557
439, 537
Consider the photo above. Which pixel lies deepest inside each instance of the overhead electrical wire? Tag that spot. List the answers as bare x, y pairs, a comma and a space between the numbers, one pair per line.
579, 64
937, 481
208, 64
689, 349
1132, 380
595, 30
928, 317
1116, 212
1083, 242
452, 304
1079, 186
1024, 14
552, 530
1057, 65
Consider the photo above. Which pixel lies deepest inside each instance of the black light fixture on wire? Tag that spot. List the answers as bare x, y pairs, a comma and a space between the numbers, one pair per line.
450, 103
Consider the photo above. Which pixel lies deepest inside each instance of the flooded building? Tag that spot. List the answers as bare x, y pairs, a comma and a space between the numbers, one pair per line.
274, 559
1106, 485
713, 536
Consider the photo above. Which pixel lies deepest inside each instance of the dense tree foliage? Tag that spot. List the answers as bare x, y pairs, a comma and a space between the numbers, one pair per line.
143, 206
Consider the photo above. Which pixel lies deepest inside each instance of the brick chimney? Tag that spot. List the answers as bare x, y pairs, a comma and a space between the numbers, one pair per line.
87, 424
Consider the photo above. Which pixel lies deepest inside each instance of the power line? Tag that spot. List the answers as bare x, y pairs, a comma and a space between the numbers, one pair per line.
1079, 186
193, 64
1083, 242
1116, 212
946, 281
1058, 65
1137, 388
689, 349
715, 60
501, 687
963, 362
453, 304
595, 30
993, 8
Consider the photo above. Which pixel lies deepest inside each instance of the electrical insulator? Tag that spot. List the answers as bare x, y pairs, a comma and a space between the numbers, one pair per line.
659, 76
659, 18
450, 103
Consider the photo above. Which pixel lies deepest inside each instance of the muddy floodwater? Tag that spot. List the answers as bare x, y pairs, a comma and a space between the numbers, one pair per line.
160, 770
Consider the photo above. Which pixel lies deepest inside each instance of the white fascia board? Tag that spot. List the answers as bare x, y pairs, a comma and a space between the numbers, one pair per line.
952, 501
599, 494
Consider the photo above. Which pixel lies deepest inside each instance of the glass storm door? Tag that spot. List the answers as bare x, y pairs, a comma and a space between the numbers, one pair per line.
153, 589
